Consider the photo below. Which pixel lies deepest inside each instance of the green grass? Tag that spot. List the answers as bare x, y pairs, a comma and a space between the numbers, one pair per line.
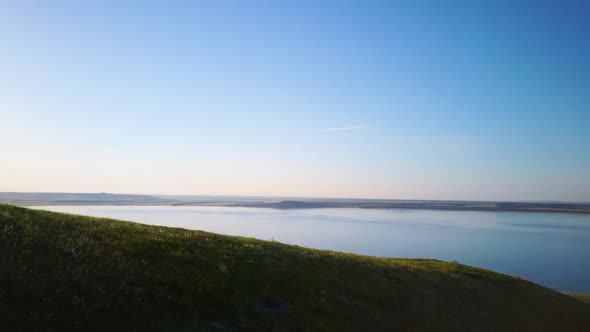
61, 271
583, 297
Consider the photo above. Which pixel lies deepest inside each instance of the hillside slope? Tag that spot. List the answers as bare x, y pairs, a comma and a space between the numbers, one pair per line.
60, 271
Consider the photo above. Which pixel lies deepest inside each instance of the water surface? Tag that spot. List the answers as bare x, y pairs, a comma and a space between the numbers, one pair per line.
548, 248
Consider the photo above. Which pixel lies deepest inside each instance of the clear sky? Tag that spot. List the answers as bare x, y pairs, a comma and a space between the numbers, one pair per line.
391, 99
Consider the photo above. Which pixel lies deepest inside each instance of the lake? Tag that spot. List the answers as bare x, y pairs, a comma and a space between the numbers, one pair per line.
548, 248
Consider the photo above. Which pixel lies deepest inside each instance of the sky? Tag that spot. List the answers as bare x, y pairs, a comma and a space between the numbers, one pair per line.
478, 100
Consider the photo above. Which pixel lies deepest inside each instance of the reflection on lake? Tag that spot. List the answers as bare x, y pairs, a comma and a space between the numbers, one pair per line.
550, 249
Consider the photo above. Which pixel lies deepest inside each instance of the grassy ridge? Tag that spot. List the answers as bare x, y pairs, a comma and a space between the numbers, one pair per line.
61, 271
583, 297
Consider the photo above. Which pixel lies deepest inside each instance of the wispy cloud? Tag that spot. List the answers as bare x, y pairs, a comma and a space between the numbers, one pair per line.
463, 148
349, 128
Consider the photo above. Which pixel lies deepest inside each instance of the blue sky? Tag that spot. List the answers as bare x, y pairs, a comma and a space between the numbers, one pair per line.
391, 99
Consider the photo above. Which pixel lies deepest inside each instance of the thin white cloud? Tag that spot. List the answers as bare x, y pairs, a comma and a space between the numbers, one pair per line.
330, 130
463, 148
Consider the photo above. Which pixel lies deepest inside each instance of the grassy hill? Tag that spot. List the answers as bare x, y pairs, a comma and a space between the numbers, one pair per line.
60, 271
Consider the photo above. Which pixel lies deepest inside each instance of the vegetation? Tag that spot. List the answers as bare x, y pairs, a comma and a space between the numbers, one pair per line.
61, 271
583, 297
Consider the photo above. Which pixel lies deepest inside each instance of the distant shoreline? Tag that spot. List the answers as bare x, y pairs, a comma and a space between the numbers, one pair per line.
315, 205
493, 207
90, 199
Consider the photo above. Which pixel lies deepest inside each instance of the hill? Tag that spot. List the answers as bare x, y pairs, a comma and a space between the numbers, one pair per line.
61, 271
28, 199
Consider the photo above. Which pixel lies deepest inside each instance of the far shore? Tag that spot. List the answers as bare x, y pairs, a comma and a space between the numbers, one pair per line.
426, 205
40, 199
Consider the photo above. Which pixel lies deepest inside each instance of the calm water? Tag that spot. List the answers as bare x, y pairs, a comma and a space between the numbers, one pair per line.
549, 249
